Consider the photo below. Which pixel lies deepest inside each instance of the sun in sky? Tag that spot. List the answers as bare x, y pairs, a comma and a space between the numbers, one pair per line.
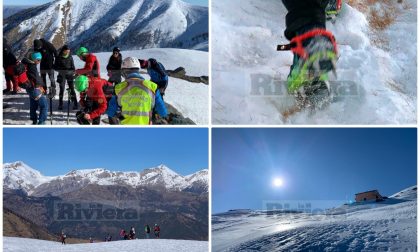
278, 182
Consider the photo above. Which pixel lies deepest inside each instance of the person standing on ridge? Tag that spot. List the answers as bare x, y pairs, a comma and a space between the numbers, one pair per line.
147, 231
35, 88
114, 66
157, 231
49, 54
9, 63
64, 65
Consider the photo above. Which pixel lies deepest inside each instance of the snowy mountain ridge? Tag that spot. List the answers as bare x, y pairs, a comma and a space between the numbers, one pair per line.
102, 24
18, 175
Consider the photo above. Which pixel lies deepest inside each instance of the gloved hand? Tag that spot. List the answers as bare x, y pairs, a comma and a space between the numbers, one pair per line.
52, 93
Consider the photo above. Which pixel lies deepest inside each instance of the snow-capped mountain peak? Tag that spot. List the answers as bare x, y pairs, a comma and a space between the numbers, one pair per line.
19, 175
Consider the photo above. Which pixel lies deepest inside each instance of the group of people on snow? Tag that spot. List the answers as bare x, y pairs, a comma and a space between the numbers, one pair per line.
131, 235
133, 100
124, 235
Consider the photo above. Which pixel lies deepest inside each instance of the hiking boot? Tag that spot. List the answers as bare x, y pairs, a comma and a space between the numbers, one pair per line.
6, 91
333, 8
315, 55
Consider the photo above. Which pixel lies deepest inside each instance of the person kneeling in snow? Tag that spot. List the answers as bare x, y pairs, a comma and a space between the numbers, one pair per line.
157, 73
92, 99
138, 97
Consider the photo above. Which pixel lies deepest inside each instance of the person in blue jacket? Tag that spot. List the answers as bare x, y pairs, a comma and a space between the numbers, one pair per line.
157, 73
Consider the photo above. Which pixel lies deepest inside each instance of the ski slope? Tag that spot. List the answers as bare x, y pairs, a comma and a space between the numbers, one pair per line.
14, 244
190, 99
376, 68
389, 226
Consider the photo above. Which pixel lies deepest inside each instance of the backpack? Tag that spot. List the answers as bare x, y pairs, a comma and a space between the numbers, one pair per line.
109, 90
19, 74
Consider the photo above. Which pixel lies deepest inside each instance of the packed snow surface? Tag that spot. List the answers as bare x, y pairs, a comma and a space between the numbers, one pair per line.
14, 244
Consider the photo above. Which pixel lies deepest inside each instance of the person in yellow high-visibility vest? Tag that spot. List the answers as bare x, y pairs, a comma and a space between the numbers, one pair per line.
137, 97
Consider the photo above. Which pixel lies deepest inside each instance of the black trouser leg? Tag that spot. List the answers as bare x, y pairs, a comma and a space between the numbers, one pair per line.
303, 14
72, 91
62, 85
44, 79
51, 76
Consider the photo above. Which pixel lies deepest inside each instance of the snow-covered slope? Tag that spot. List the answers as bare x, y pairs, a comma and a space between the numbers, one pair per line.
103, 24
407, 194
377, 65
190, 99
20, 176
14, 244
391, 227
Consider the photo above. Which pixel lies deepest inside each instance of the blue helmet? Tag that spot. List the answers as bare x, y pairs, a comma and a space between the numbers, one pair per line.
36, 56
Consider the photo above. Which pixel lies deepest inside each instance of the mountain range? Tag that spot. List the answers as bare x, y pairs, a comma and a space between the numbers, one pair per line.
100, 25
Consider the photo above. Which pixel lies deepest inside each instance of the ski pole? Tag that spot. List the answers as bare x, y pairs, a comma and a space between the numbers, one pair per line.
51, 112
68, 105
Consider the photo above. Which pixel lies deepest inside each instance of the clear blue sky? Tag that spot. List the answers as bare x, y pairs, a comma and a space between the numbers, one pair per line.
38, 2
58, 151
315, 164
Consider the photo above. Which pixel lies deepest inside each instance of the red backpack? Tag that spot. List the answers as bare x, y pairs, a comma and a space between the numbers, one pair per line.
20, 77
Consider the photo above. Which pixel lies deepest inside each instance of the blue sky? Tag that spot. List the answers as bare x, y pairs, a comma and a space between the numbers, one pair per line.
58, 151
37, 2
315, 164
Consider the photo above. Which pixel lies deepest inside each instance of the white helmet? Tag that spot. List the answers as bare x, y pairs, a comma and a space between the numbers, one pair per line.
130, 62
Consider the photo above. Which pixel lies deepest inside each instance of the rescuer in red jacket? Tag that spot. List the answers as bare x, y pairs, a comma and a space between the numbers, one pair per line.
92, 99
92, 67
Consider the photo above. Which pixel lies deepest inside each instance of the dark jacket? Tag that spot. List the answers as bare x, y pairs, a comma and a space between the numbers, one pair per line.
32, 72
114, 63
9, 59
49, 53
65, 66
